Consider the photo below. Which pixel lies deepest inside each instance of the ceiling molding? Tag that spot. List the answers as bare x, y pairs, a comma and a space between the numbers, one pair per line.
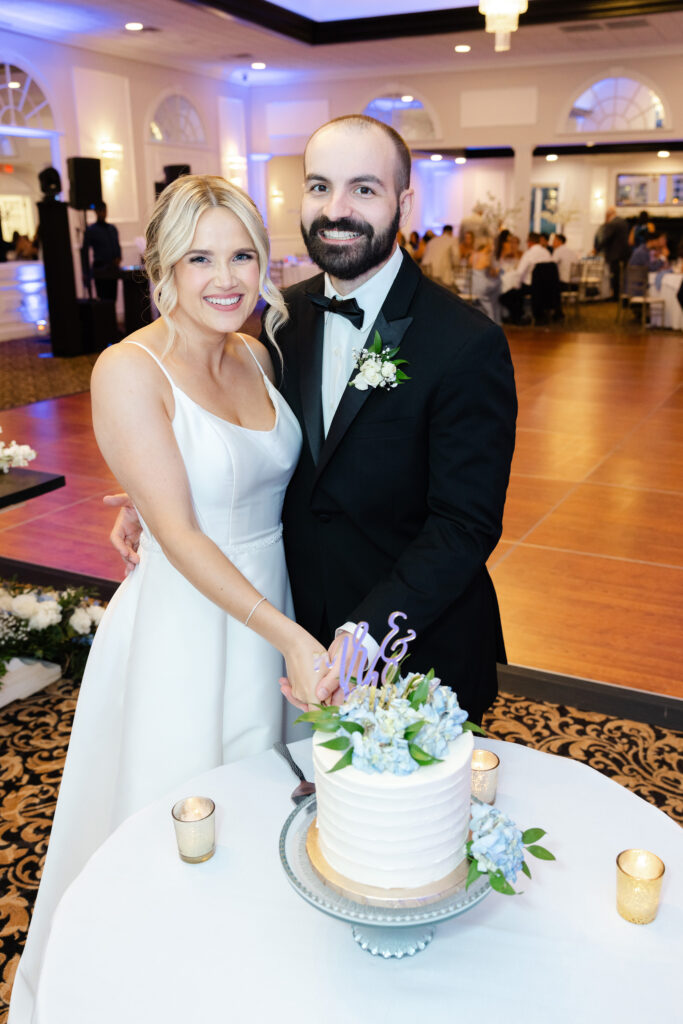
426, 23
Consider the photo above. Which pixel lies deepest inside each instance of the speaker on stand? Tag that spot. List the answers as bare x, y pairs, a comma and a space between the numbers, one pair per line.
60, 282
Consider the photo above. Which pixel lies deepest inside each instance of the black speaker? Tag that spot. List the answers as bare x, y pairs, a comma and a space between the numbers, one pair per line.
98, 323
60, 284
173, 171
85, 182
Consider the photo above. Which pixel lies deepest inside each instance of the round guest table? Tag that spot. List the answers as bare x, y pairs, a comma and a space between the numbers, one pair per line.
667, 292
142, 936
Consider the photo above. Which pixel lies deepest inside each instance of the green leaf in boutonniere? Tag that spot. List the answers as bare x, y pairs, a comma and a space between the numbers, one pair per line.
377, 367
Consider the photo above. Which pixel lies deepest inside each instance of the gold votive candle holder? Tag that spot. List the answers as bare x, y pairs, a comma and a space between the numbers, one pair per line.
639, 883
484, 775
194, 820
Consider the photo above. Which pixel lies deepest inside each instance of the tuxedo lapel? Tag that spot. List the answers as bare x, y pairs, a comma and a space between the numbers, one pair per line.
310, 329
392, 324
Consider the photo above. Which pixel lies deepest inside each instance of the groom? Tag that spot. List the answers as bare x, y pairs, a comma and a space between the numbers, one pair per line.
397, 500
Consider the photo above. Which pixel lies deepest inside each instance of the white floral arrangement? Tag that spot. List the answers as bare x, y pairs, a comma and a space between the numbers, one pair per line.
14, 455
377, 366
47, 624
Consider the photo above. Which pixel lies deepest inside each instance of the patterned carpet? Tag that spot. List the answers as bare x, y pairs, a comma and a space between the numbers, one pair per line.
29, 374
34, 735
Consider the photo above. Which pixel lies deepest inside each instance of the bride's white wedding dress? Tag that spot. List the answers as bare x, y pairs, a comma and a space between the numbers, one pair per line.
174, 686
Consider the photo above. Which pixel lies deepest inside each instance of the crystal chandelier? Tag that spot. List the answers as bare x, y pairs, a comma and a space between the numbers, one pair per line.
502, 18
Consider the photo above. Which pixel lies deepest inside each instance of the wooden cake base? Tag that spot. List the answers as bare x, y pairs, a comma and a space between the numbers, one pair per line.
373, 896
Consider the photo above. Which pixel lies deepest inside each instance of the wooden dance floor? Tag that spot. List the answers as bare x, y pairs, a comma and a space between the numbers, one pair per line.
589, 571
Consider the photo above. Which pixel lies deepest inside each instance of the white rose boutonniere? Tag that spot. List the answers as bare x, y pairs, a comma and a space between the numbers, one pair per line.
378, 367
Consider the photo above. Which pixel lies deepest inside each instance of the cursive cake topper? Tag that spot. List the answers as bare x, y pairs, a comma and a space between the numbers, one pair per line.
354, 664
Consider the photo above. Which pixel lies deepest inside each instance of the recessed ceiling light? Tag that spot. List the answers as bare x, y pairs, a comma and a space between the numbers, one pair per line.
589, 145
134, 26
14, 85
436, 156
407, 98
461, 159
663, 154
551, 157
462, 48
258, 65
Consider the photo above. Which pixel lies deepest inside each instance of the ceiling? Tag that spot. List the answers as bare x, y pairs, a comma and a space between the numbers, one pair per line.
196, 37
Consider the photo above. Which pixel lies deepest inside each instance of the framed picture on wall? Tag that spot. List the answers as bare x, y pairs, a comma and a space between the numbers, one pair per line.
643, 189
544, 204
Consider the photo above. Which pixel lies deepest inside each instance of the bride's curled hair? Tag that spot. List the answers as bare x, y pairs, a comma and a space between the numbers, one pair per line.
170, 232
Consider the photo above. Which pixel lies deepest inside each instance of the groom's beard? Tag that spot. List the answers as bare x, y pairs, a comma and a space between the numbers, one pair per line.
348, 262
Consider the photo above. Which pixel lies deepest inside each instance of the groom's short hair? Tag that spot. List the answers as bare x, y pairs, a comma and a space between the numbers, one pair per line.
362, 121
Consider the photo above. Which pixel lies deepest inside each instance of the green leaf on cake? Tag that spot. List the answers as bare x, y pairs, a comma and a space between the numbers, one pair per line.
471, 727
525, 869
413, 729
420, 694
352, 726
532, 835
343, 762
322, 719
338, 743
541, 852
473, 874
498, 882
421, 756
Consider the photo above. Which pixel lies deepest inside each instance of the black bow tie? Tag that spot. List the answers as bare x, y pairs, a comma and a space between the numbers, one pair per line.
344, 307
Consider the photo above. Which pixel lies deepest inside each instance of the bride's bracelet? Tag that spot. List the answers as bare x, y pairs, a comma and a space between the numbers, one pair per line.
260, 601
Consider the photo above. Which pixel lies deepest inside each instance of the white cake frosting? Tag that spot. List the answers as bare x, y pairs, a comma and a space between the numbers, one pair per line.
394, 831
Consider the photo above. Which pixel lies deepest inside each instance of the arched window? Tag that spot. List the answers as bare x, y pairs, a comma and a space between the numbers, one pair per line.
176, 121
22, 102
616, 104
405, 114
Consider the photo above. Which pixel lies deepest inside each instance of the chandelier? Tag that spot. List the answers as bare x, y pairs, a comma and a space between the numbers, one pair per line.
502, 18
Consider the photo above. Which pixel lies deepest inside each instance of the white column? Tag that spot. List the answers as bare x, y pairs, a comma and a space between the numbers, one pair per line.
258, 182
521, 189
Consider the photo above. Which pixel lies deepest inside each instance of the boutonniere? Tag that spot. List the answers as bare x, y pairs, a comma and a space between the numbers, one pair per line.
377, 367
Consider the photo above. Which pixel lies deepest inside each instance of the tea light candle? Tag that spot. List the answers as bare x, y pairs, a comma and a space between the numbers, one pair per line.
484, 775
195, 828
639, 882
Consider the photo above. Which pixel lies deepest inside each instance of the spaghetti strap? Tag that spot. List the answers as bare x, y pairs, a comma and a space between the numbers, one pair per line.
251, 353
156, 360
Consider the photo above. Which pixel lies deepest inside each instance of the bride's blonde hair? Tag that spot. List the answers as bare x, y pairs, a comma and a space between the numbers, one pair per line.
170, 232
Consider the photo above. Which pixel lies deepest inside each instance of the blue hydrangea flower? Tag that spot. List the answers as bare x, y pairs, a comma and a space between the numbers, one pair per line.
496, 842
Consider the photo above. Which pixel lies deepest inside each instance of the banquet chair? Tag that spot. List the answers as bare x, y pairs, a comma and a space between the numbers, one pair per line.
462, 282
546, 294
592, 277
570, 293
635, 294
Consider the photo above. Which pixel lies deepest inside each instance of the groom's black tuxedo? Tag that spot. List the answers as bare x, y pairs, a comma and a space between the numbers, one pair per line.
400, 506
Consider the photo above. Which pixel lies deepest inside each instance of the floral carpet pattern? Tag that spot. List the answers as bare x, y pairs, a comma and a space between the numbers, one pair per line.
34, 735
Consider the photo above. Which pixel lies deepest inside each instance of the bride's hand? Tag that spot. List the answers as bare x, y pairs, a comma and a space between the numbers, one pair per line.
305, 664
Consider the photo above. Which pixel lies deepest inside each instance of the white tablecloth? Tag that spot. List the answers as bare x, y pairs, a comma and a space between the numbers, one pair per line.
292, 273
141, 936
667, 292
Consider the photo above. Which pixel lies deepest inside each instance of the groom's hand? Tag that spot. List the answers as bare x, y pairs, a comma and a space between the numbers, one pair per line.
288, 694
328, 689
125, 536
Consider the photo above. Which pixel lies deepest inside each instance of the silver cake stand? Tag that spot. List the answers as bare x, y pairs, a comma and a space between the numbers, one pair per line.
382, 931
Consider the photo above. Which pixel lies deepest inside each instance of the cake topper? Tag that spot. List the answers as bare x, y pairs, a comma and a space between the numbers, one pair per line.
354, 665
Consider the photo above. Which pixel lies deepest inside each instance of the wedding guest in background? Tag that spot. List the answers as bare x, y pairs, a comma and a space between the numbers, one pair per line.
413, 244
514, 251
565, 257
544, 240
501, 242
486, 283
641, 230
475, 224
466, 247
612, 240
103, 239
441, 257
401, 239
513, 299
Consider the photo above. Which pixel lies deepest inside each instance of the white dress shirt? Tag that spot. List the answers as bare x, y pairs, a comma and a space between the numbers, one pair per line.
565, 257
340, 340
534, 254
342, 337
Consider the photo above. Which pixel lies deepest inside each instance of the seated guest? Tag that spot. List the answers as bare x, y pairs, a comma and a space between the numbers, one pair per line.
535, 253
514, 248
441, 256
501, 242
466, 247
486, 282
641, 230
544, 240
645, 257
565, 258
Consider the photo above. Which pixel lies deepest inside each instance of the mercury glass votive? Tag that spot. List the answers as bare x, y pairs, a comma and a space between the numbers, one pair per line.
639, 883
195, 828
484, 775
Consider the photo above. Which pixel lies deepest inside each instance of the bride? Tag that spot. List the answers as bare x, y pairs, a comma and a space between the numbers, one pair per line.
183, 673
